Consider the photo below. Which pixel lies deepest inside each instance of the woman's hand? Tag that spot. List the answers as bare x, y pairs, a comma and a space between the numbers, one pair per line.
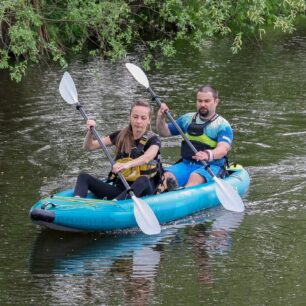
117, 167
90, 123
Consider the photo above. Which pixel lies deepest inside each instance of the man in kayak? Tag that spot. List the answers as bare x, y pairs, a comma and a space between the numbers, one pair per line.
137, 158
210, 134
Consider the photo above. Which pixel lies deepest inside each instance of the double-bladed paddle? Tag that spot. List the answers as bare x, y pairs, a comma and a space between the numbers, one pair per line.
143, 213
227, 196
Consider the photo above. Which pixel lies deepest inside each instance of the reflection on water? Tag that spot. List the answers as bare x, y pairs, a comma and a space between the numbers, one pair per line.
68, 253
130, 260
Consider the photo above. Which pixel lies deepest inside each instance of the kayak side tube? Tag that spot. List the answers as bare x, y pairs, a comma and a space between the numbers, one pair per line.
64, 212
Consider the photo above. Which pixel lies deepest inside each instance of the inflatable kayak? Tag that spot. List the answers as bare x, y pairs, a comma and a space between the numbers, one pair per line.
64, 212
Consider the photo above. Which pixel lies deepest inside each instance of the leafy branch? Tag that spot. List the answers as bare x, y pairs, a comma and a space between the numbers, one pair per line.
32, 31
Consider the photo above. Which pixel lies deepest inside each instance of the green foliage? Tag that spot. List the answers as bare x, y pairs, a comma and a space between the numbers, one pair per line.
31, 31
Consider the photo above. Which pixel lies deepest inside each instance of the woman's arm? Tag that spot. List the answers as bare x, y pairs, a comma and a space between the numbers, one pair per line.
141, 160
89, 142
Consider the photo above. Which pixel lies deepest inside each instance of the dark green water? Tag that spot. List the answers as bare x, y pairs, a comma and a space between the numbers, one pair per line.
214, 258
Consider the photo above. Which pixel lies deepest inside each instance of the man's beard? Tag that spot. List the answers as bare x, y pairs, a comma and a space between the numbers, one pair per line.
203, 112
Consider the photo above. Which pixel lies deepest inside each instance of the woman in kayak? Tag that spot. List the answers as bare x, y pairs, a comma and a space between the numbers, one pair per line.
137, 158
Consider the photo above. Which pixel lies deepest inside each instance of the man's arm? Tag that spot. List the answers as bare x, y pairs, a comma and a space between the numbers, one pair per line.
161, 124
220, 151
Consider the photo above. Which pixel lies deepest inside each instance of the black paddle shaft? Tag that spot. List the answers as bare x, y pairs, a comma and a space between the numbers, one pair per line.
157, 100
79, 107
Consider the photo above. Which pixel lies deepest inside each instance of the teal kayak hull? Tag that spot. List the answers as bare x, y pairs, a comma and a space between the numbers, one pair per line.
65, 213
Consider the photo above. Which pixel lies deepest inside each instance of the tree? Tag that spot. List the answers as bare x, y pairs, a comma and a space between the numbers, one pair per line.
32, 31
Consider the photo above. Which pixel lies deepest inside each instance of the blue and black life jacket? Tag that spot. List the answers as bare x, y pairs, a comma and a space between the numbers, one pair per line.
195, 133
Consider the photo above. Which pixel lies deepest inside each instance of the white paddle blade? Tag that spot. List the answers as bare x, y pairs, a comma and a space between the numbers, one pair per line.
145, 217
229, 198
138, 74
67, 89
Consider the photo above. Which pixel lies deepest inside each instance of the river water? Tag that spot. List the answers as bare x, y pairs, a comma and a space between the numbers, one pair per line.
213, 258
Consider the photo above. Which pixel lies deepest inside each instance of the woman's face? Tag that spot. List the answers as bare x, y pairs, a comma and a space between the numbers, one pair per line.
140, 119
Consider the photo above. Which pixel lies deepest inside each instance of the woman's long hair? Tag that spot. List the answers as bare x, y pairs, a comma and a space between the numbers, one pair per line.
125, 139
